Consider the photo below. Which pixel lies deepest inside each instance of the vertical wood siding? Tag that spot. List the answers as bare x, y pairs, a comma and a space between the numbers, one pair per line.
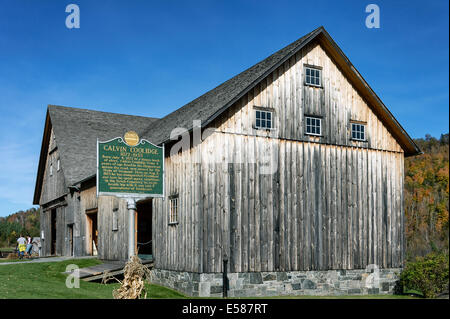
326, 207
332, 203
53, 187
112, 244
337, 101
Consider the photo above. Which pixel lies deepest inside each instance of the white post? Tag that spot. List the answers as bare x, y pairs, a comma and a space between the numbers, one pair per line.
131, 224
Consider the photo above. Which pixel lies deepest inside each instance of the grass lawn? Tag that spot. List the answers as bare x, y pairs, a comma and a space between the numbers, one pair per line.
46, 281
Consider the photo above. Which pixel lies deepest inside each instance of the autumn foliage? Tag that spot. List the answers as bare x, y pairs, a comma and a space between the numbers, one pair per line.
426, 197
23, 222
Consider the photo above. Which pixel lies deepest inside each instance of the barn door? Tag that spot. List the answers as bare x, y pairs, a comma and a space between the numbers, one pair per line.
70, 238
53, 232
144, 229
91, 232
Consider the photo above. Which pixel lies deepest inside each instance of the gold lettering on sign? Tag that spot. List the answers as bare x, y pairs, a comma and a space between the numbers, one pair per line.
128, 169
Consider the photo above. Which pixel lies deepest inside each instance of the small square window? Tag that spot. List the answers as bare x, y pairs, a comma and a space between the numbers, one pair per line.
263, 120
313, 125
358, 132
313, 76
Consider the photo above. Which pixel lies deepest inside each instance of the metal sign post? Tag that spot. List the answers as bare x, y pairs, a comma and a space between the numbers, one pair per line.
132, 169
131, 204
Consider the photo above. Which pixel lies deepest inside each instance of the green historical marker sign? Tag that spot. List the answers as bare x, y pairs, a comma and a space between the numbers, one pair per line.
127, 167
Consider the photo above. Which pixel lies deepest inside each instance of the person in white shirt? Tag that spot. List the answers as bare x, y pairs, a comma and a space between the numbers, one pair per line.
21, 242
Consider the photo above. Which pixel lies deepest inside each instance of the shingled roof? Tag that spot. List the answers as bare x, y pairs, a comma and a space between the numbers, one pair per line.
76, 132
213, 103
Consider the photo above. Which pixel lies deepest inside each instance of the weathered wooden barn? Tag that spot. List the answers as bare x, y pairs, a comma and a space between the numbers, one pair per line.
297, 182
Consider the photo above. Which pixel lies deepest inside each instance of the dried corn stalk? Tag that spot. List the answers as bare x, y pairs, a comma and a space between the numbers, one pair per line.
133, 284
107, 276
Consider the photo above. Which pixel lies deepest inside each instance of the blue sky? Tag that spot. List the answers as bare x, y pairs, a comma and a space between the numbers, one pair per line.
151, 57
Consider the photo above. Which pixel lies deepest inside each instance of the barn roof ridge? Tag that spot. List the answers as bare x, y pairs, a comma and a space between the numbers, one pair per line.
79, 109
213, 103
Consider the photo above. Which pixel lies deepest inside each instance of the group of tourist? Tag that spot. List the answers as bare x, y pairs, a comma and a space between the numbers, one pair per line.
24, 246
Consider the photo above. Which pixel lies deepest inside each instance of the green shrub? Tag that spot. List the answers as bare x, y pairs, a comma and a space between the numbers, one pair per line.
428, 274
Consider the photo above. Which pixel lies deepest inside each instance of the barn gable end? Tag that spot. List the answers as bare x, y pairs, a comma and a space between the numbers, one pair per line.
214, 103
54, 182
283, 93
331, 203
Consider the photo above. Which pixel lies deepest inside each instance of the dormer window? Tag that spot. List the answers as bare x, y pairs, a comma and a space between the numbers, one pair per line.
313, 76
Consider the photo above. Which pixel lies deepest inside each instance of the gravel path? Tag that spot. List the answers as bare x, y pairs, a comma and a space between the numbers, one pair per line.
46, 260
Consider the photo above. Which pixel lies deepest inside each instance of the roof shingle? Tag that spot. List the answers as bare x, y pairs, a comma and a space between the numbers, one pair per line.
210, 104
76, 132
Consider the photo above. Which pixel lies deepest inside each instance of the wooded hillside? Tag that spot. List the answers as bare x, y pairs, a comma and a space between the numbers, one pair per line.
22, 222
426, 197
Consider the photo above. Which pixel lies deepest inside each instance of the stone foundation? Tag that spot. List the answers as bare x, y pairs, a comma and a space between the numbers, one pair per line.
318, 283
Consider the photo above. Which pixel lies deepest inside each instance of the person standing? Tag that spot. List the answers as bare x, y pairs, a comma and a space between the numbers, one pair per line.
21, 242
29, 246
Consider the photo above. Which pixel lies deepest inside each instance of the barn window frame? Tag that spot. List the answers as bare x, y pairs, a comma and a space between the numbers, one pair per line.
311, 125
358, 131
313, 74
115, 219
268, 118
174, 205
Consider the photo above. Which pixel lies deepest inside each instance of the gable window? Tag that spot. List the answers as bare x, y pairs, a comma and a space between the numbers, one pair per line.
313, 125
313, 76
358, 131
263, 119
51, 169
173, 209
